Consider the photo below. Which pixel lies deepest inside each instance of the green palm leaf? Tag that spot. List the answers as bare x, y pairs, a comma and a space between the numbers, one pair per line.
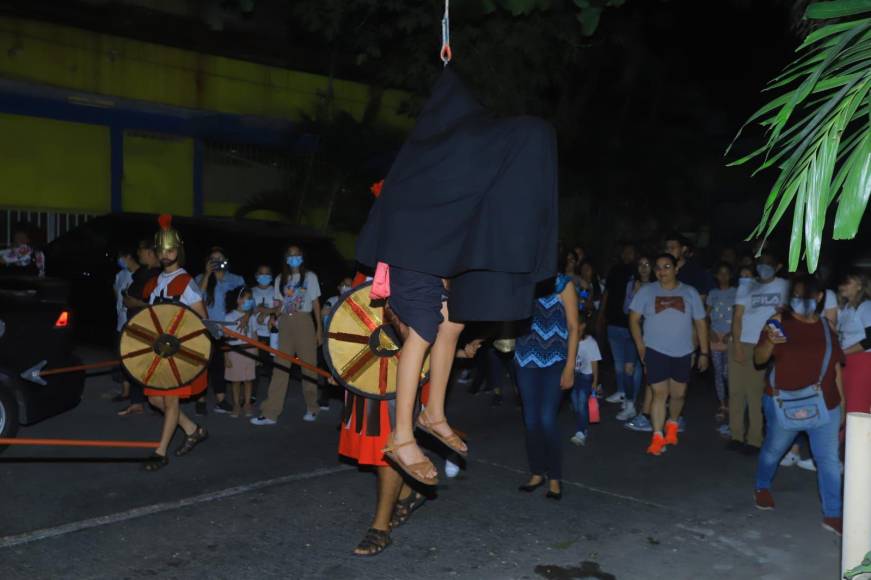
818, 135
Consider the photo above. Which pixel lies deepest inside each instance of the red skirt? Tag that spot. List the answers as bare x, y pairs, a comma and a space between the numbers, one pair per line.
857, 383
366, 427
195, 387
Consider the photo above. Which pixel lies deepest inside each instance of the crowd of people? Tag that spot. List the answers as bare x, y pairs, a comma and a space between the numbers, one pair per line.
660, 318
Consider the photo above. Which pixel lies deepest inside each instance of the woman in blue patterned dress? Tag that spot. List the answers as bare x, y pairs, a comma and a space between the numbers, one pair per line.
545, 360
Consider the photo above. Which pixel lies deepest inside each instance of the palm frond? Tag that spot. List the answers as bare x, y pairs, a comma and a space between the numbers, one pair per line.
818, 133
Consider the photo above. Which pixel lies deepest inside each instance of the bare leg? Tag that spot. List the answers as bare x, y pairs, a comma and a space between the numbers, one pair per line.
171, 410
678, 393
407, 382
125, 388
441, 359
657, 409
648, 399
248, 391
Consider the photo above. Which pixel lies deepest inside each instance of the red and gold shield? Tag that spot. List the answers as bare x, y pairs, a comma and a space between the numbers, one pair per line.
165, 346
362, 348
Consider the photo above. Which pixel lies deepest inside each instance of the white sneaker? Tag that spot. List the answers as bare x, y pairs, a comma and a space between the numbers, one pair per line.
263, 421
451, 469
806, 464
310, 417
617, 397
579, 439
627, 413
790, 459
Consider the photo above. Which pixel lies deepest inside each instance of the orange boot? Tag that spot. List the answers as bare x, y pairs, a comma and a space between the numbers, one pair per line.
671, 428
657, 444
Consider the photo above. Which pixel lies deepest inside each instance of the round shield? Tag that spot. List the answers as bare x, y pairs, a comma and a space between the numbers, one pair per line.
165, 346
362, 349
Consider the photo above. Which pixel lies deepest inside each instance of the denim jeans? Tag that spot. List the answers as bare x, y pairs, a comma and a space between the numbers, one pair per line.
824, 447
580, 396
623, 350
541, 395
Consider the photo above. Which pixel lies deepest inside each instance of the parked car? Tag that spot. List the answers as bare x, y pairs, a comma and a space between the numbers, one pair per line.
85, 257
35, 325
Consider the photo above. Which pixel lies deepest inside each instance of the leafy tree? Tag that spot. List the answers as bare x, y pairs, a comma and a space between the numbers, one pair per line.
818, 135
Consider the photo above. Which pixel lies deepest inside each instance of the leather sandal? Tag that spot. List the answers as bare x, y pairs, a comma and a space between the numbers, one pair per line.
405, 507
192, 440
452, 441
415, 470
373, 543
155, 461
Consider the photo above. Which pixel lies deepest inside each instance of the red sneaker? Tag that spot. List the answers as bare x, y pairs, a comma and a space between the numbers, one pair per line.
657, 444
671, 428
764, 499
833, 525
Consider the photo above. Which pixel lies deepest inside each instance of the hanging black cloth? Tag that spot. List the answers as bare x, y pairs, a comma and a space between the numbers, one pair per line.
472, 198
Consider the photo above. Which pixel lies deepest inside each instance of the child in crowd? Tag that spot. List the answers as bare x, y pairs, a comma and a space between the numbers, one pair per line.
265, 308
240, 369
586, 375
720, 303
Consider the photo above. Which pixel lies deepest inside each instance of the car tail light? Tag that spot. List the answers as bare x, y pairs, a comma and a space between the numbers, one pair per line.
63, 320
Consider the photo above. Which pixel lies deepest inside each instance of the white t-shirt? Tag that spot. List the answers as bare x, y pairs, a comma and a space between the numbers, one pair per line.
852, 323
760, 302
250, 331
191, 294
262, 297
588, 353
295, 296
123, 279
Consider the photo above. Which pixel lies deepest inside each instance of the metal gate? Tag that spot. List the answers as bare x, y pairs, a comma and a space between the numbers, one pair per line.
50, 225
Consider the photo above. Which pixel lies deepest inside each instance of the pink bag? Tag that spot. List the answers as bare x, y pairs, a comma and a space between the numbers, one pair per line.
593, 409
381, 282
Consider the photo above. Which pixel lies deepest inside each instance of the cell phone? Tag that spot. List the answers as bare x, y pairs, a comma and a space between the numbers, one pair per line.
776, 326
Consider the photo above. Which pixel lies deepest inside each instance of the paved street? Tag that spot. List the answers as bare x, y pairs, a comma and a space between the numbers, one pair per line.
277, 503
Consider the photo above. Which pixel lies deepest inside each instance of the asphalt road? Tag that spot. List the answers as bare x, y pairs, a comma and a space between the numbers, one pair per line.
276, 502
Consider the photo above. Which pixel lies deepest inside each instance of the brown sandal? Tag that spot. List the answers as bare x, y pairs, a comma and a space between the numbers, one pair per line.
452, 441
191, 441
414, 470
373, 543
405, 507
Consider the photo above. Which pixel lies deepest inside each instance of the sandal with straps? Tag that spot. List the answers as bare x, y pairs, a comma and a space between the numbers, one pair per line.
414, 470
405, 507
373, 543
452, 441
192, 440
155, 461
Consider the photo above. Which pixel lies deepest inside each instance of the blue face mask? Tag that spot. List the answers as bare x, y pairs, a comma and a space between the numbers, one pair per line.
294, 261
264, 279
803, 306
122, 263
247, 304
765, 271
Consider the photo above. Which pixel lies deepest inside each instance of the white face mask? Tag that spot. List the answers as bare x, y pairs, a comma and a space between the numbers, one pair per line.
343, 289
803, 306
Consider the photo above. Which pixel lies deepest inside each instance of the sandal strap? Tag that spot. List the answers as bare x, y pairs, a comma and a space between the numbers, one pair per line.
393, 446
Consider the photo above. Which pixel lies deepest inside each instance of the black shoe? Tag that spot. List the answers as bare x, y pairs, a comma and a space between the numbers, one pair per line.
734, 445
223, 407
200, 408
750, 450
497, 400
554, 495
529, 488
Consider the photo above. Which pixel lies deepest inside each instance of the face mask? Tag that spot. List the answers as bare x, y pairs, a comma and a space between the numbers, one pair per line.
122, 263
765, 271
294, 261
343, 289
264, 279
247, 304
803, 306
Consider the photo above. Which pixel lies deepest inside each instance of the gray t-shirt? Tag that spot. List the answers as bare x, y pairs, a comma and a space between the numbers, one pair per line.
668, 317
721, 303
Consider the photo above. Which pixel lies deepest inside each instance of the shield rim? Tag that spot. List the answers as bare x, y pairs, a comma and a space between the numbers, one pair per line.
329, 360
156, 388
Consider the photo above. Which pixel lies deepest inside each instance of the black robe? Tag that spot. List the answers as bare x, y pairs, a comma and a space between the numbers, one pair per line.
472, 198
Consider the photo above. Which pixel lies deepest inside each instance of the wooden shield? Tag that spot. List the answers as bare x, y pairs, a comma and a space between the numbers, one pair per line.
362, 350
165, 346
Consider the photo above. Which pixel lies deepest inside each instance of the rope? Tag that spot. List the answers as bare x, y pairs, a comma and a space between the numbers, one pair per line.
445, 53
82, 443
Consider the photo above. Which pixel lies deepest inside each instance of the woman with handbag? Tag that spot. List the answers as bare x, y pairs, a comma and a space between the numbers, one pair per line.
803, 392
